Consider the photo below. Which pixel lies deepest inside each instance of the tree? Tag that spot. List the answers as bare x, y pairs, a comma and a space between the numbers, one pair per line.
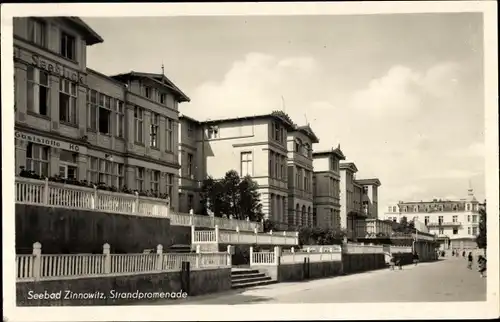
320, 236
481, 238
232, 196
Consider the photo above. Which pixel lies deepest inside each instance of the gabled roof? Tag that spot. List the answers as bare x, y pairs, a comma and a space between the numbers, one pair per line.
284, 119
157, 78
369, 182
306, 129
337, 152
348, 166
91, 37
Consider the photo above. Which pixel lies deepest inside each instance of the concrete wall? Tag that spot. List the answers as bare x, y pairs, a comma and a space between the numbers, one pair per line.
356, 263
201, 282
61, 230
297, 272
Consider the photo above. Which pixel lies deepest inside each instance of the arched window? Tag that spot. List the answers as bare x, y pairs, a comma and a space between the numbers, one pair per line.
310, 219
304, 216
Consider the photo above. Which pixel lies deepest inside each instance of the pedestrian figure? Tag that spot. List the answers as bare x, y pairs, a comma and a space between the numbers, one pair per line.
453, 253
392, 261
415, 258
399, 263
469, 260
463, 254
482, 265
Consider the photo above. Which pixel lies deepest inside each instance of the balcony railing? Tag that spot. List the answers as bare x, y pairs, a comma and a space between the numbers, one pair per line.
217, 236
442, 224
52, 194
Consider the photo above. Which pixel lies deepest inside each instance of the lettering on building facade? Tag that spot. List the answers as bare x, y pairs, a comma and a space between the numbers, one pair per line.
49, 142
50, 66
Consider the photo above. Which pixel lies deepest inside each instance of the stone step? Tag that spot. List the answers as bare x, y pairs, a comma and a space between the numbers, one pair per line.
252, 283
243, 276
244, 271
260, 277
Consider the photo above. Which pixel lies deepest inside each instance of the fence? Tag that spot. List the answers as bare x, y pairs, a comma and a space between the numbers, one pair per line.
362, 249
243, 237
39, 266
326, 254
53, 194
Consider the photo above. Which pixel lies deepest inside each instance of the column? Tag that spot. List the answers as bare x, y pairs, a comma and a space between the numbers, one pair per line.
271, 207
54, 161
147, 179
54, 102
146, 123
129, 126
130, 176
81, 110
174, 199
82, 166
20, 92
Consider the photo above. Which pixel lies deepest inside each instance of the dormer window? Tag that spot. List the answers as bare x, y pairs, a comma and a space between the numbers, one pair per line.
213, 132
278, 134
68, 46
38, 32
148, 92
163, 98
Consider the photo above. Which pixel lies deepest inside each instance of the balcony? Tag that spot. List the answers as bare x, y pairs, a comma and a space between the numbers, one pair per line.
444, 224
217, 236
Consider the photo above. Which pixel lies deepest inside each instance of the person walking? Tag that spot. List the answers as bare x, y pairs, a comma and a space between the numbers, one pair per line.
392, 262
469, 260
453, 253
482, 265
415, 258
463, 254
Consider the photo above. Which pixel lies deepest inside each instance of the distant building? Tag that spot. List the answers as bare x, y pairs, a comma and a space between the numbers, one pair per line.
300, 177
455, 222
357, 200
326, 187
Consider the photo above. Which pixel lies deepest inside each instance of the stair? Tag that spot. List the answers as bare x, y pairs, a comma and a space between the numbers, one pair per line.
180, 249
242, 278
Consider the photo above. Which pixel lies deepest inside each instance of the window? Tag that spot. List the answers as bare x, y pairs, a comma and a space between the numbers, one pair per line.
163, 98
468, 207
37, 32
170, 184
474, 218
426, 220
139, 178
105, 114
37, 159
68, 164
468, 230
119, 175
277, 132
455, 231
120, 118
277, 174
68, 46
298, 145
105, 171
440, 220
441, 231
474, 231
38, 91
148, 92
455, 219
155, 180
170, 135
139, 124
92, 107
306, 180
213, 132
153, 131
246, 164
365, 190
468, 218
283, 167
67, 101
190, 164
190, 202
190, 130
297, 177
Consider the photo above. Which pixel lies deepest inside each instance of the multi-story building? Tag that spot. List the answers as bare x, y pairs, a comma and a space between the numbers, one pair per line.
300, 177
358, 200
74, 122
455, 222
326, 187
254, 146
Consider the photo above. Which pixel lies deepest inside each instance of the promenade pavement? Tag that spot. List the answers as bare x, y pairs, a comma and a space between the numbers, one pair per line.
443, 281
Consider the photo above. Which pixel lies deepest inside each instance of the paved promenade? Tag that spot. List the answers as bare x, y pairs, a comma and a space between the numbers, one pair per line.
443, 281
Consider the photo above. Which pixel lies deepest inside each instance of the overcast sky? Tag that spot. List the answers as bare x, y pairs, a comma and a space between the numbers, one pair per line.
402, 94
